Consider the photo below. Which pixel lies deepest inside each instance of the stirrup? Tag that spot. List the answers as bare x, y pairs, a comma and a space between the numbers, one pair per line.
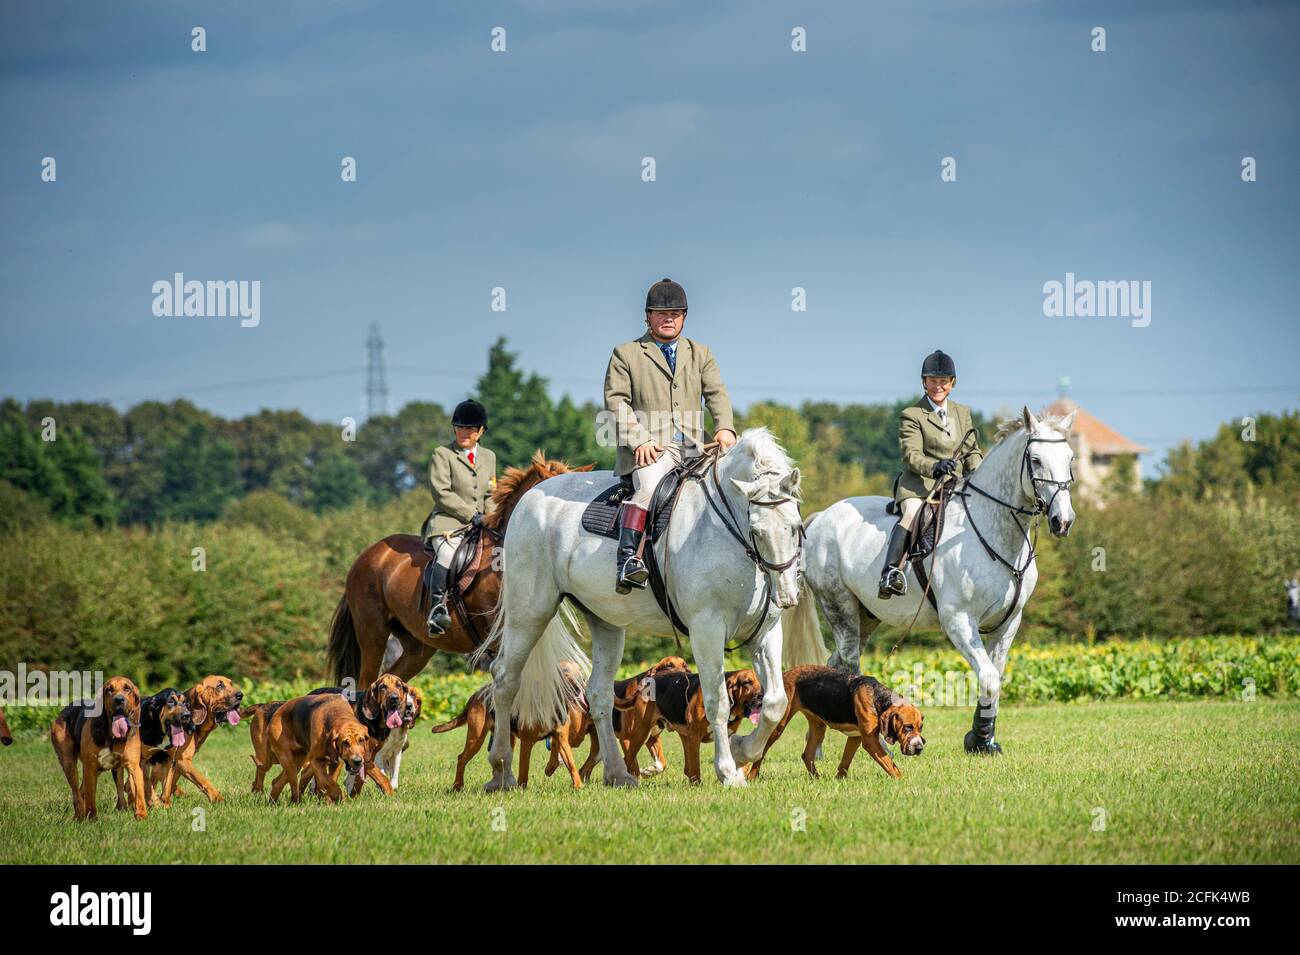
633, 573
439, 618
893, 582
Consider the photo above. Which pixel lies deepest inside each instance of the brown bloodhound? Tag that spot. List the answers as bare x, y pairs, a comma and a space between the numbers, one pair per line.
213, 701
320, 732
676, 699
633, 723
388, 709
480, 718
101, 735
861, 707
6, 737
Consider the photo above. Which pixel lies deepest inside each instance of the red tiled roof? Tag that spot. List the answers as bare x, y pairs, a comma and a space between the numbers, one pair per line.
1102, 439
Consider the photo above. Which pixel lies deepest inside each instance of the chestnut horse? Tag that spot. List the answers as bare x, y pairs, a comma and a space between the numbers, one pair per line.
382, 596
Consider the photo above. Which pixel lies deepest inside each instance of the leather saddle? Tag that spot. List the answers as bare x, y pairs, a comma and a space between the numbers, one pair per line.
461, 574
602, 515
921, 538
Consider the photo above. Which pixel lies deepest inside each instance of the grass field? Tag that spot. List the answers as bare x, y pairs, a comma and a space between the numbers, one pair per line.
1181, 782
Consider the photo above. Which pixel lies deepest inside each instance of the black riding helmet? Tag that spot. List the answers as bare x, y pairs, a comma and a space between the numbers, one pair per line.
469, 414
665, 296
937, 364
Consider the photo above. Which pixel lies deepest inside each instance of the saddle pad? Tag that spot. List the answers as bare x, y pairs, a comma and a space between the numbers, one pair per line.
600, 517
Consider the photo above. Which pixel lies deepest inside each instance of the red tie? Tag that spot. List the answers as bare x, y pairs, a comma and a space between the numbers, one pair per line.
471, 458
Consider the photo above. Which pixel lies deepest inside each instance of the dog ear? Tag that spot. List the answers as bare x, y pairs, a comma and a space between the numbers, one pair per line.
886, 725
369, 705
198, 707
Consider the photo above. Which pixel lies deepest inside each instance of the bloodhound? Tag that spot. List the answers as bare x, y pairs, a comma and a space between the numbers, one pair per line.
677, 699
165, 725
101, 735
319, 732
861, 707
213, 701
388, 709
480, 718
628, 724
5, 736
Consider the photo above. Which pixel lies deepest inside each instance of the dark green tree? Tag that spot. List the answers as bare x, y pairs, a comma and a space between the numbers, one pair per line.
200, 475
520, 412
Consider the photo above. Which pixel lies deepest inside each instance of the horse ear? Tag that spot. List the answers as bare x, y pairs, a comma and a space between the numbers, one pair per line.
790, 484
747, 488
1066, 424
1030, 421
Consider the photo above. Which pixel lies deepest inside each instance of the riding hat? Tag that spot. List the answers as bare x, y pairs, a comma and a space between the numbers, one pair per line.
665, 296
469, 414
938, 365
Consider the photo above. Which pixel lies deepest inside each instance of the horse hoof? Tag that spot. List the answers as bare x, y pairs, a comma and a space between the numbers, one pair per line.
981, 747
495, 785
734, 779
624, 781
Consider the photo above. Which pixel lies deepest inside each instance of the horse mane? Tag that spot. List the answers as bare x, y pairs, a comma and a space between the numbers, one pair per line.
517, 482
765, 453
1017, 423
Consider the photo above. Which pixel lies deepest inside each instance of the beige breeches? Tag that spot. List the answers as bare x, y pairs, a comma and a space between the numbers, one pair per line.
644, 480
910, 507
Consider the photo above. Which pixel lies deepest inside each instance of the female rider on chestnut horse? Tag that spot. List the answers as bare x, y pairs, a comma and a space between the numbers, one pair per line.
382, 596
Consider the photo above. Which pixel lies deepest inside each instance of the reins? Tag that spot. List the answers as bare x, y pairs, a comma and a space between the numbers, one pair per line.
712, 454
1028, 533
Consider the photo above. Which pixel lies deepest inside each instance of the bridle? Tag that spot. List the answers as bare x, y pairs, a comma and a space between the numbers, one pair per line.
750, 546
1028, 533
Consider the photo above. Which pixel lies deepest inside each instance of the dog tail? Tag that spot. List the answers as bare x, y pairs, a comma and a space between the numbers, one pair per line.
801, 631
463, 718
454, 724
249, 710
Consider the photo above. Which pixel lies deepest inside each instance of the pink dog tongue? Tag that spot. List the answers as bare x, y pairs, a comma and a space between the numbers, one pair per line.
753, 717
394, 720
232, 717
119, 726
178, 736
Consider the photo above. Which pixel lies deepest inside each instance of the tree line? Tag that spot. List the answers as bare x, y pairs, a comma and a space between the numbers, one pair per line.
88, 464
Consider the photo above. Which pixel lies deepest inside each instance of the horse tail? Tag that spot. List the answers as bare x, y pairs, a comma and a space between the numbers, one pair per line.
555, 673
343, 651
801, 633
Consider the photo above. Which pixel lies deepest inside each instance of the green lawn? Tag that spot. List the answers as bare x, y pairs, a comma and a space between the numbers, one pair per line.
1185, 782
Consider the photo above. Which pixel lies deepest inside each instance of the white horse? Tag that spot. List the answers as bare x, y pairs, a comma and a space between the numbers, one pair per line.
731, 554
985, 547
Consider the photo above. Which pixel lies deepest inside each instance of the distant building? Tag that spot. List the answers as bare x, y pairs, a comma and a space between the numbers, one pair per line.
1096, 446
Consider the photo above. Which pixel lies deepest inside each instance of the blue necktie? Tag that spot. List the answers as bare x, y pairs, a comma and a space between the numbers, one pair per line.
670, 356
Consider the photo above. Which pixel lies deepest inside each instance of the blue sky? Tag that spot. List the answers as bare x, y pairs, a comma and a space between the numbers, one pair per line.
775, 170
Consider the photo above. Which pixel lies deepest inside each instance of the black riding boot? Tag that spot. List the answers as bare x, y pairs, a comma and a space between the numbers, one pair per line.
980, 738
893, 580
439, 618
632, 571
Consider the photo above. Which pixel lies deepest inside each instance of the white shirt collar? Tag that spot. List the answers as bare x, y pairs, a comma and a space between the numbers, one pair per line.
943, 407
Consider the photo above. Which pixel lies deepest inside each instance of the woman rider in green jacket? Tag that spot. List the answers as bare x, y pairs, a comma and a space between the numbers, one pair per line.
932, 438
